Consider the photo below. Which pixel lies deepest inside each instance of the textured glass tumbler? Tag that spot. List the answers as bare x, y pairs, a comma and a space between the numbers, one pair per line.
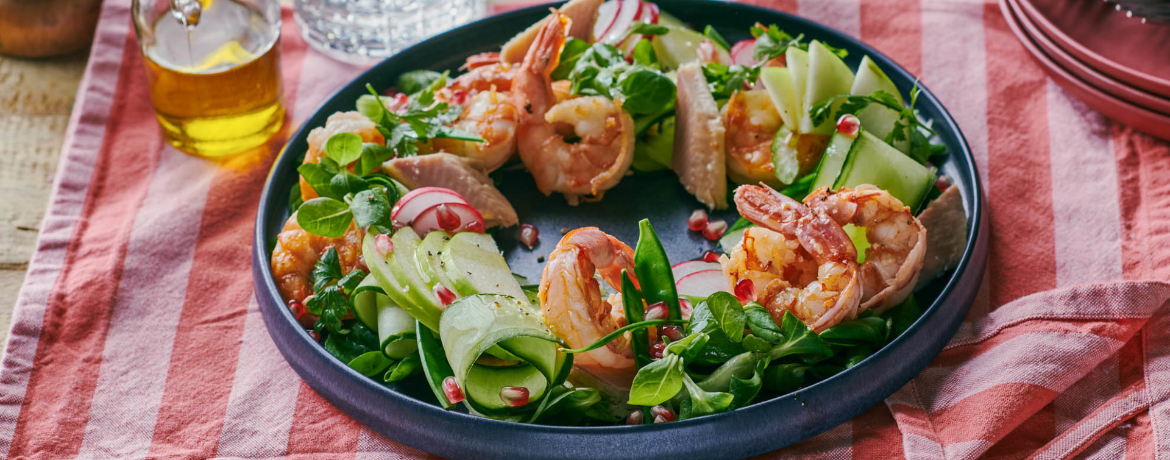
367, 31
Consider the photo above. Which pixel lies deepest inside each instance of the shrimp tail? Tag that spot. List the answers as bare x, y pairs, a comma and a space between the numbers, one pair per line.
545, 53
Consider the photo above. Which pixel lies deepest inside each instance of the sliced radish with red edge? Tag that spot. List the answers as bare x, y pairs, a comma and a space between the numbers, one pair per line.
683, 269
626, 15
741, 53
702, 283
420, 199
606, 14
429, 220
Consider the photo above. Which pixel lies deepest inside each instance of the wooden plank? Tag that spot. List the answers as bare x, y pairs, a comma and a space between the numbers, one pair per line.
36, 97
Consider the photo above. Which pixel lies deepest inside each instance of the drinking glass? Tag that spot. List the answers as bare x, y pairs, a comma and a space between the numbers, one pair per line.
214, 71
367, 31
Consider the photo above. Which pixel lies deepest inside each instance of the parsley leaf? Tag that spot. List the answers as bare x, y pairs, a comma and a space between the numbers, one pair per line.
908, 124
327, 270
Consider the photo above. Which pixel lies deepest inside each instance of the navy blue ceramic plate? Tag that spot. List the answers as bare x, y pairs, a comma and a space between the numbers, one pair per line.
406, 413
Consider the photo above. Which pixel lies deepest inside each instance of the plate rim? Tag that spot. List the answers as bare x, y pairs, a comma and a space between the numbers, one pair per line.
968, 272
1140, 118
1148, 82
1106, 83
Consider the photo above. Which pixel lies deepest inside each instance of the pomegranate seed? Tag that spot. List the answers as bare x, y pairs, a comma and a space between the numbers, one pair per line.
710, 256
656, 350
745, 290
674, 333
715, 229
698, 220
514, 396
298, 308
685, 308
383, 244
448, 220
445, 295
316, 336
943, 183
635, 418
459, 97
848, 125
529, 235
656, 310
662, 412
475, 226
451, 390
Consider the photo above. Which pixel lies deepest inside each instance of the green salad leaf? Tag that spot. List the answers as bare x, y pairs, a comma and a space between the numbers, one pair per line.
798, 339
371, 363
344, 148
408, 366
324, 216
602, 70
416, 81
728, 313
657, 382
702, 402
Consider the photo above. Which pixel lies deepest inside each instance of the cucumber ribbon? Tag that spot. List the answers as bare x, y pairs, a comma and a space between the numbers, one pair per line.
473, 326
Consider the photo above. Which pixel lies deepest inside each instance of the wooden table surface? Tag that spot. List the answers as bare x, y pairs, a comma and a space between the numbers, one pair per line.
36, 98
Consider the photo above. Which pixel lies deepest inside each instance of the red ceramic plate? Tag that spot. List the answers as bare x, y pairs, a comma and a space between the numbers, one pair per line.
1103, 82
1105, 39
1139, 118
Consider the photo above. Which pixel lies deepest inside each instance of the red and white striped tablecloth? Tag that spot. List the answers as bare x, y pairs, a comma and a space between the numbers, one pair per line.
136, 333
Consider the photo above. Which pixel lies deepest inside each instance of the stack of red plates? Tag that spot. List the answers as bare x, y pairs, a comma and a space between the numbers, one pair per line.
1116, 64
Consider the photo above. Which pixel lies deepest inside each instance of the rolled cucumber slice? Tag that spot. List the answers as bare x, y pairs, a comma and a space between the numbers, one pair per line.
484, 384
872, 161
878, 120
429, 261
395, 272
833, 161
474, 264
828, 76
473, 325
396, 329
365, 302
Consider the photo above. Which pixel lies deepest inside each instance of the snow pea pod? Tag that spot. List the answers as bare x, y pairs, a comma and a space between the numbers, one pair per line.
635, 313
434, 363
653, 271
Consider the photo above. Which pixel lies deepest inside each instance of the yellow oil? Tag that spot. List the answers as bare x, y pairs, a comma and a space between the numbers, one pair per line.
215, 80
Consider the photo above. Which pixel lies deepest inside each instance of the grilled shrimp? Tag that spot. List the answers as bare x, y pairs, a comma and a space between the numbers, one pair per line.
485, 72
798, 261
897, 240
491, 115
340, 122
750, 121
573, 305
605, 146
297, 251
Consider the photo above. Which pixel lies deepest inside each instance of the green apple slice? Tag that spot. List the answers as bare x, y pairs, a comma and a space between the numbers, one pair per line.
877, 119
797, 63
778, 82
872, 161
828, 76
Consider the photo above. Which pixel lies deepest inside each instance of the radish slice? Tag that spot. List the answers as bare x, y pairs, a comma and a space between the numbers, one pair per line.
625, 17
428, 220
419, 199
741, 53
702, 283
683, 269
607, 13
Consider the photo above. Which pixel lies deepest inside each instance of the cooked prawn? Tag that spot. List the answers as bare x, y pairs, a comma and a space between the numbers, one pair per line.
897, 240
484, 73
799, 261
340, 122
297, 252
491, 115
750, 121
605, 146
574, 308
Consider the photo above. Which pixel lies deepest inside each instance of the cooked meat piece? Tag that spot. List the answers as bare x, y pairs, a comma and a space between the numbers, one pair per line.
698, 139
450, 171
946, 235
